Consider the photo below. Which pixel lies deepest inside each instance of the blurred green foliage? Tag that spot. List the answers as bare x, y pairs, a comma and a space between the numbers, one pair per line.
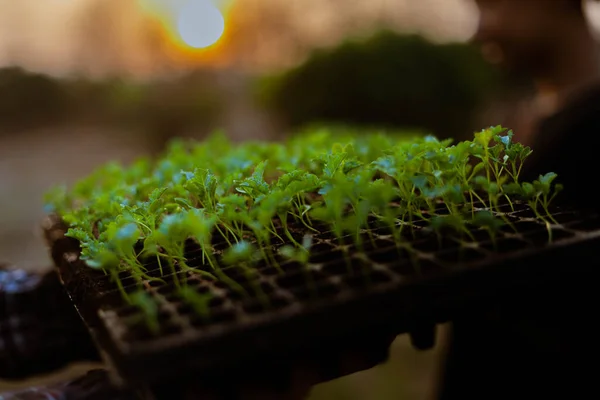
162, 108
391, 80
22, 92
400, 82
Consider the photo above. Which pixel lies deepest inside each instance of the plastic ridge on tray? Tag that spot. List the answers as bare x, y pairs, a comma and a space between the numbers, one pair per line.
328, 296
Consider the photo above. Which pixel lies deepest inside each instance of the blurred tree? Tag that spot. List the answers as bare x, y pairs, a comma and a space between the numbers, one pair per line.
161, 109
190, 104
388, 80
28, 98
275, 33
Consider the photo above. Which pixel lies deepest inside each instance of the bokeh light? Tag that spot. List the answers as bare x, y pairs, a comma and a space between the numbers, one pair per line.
199, 23
190, 32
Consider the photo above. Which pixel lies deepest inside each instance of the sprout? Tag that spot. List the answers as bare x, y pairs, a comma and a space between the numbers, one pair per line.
255, 197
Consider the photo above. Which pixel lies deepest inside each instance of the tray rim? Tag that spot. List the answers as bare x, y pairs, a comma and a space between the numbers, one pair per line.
125, 365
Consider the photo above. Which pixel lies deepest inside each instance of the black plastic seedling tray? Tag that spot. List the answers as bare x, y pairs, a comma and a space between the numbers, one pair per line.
381, 288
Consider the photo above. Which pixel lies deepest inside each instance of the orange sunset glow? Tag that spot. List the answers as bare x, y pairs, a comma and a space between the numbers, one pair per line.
180, 29
144, 37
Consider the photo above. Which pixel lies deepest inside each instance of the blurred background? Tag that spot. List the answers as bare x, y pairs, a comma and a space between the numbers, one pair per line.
87, 81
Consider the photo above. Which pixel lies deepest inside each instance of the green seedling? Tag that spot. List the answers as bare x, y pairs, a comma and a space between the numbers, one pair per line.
199, 302
259, 198
149, 309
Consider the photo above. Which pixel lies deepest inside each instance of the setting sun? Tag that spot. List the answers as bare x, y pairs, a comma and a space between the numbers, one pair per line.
199, 23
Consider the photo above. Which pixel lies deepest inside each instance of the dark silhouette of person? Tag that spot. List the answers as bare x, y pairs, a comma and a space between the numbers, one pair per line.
532, 342
538, 342
549, 43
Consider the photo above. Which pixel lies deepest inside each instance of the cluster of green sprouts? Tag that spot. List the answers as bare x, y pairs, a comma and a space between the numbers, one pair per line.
249, 196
